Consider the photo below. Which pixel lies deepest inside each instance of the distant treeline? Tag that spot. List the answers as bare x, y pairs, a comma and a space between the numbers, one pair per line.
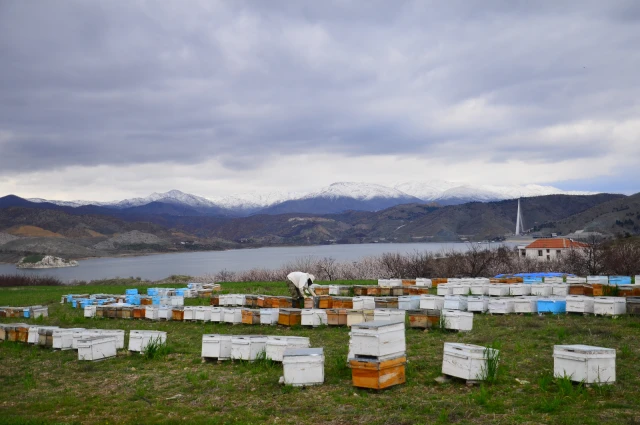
7, 280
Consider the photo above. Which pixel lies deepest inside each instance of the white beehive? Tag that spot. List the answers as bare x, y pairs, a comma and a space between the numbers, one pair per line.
216, 314
90, 311
477, 303
584, 363
501, 306
575, 279
215, 346
479, 288
421, 281
389, 315
277, 345
313, 317
63, 338
553, 279
457, 320
189, 313
526, 304
519, 289
39, 311
151, 312
602, 280
164, 312
560, 289
269, 316
395, 282
239, 300
466, 361
431, 302
176, 301
225, 300
138, 340
541, 289
580, 304
408, 302
202, 313
364, 303
444, 289
358, 316
499, 290
118, 334
97, 347
377, 339
32, 337
460, 289
247, 347
232, 315
609, 306
335, 289
303, 366
455, 302
80, 334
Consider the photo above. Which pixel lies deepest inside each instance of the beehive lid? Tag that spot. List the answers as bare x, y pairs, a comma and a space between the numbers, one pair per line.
376, 324
584, 349
297, 352
376, 363
468, 348
95, 338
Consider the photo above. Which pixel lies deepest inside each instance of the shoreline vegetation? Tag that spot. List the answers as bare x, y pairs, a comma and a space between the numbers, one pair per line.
618, 258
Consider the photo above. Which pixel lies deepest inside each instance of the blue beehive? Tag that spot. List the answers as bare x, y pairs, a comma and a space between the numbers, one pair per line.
152, 291
132, 299
532, 279
181, 291
131, 291
27, 312
85, 303
552, 306
155, 300
619, 280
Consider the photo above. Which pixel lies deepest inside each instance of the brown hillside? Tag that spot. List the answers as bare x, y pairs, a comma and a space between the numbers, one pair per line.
33, 231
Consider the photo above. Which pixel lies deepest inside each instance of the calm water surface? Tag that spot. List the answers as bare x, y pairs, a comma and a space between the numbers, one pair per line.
155, 267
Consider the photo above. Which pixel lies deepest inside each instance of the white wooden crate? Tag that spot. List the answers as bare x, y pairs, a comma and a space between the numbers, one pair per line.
269, 316
139, 339
313, 317
97, 347
501, 306
377, 338
466, 361
455, 302
277, 345
303, 366
526, 304
247, 347
431, 302
389, 315
541, 289
364, 303
609, 306
585, 363
478, 304
216, 346
580, 304
457, 320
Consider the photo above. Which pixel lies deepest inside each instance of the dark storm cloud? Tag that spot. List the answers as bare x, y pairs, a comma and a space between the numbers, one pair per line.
126, 82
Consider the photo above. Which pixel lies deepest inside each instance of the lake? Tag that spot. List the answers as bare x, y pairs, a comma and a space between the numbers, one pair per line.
160, 266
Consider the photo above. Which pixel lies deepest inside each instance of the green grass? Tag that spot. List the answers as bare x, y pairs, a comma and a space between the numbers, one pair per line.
33, 258
45, 386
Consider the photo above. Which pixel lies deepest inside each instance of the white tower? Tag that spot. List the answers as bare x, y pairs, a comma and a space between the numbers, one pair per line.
519, 224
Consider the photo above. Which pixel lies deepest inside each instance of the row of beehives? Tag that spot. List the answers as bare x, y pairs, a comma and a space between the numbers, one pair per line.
81, 301
91, 344
605, 306
33, 312
540, 289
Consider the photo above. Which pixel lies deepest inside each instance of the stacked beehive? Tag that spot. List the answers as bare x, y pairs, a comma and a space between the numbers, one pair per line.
377, 354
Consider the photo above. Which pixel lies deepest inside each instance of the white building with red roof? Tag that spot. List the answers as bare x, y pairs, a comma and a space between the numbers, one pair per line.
550, 249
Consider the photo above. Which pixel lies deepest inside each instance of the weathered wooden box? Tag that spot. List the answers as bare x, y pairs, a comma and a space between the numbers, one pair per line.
375, 373
478, 304
466, 361
139, 339
579, 304
633, 306
584, 363
431, 302
457, 320
269, 316
303, 366
33, 336
321, 290
364, 303
609, 306
389, 315
377, 338
290, 316
455, 302
94, 348
337, 317
386, 302
177, 314
424, 319
313, 317
250, 317
45, 336
284, 302
247, 347
541, 289
277, 345
410, 302
396, 291
373, 291
325, 302
501, 306
525, 305
580, 289
216, 346
342, 302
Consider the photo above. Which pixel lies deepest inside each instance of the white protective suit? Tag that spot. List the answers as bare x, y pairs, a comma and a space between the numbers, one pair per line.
301, 281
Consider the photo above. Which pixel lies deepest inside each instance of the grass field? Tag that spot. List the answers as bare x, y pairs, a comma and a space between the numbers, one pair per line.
43, 386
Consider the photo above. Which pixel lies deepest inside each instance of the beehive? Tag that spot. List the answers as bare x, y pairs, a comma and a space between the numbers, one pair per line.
519, 289
478, 304
313, 317
633, 306
386, 302
409, 302
342, 302
277, 345
177, 314
376, 373
541, 289
250, 317
525, 305
377, 339
466, 361
325, 302
609, 306
232, 315
389, 315
444, 289
216, 346
269, 316
94, 348
303, 366
501, 306
455, 302
337, 317
585, 363
289, 317
552, 305
139, 339
364, 303
247, 347
431, 302
579, 304
424, 319
457, 320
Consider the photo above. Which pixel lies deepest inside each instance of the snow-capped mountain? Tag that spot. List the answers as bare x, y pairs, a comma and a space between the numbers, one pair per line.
336, 197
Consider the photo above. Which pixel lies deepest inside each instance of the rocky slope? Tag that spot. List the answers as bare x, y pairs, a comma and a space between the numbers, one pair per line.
47, 262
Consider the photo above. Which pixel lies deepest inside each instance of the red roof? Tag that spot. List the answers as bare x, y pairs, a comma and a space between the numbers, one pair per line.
555, 243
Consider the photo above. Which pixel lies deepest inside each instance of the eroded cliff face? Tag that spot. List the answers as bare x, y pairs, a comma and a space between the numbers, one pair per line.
47, 262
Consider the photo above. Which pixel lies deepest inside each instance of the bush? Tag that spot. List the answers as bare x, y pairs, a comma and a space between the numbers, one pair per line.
28, 280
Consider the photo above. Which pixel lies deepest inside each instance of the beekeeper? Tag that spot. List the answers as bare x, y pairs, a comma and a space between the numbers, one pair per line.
300, 283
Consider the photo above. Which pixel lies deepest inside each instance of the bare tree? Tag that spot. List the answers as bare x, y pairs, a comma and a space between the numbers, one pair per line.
328, 267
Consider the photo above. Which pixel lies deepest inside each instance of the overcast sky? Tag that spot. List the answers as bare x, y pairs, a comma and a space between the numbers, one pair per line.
109, 99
